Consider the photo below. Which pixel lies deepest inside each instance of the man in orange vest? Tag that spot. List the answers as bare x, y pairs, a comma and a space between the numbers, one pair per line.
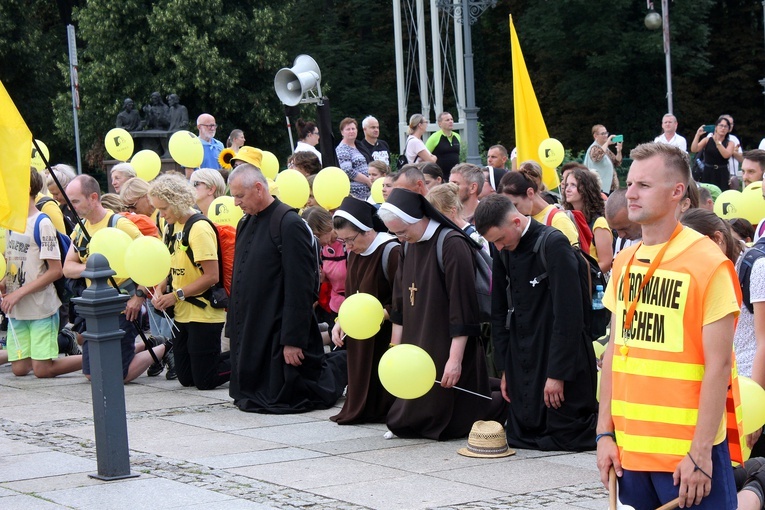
667, 369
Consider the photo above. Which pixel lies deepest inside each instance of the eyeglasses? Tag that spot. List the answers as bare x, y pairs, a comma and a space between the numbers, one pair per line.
131, 207
605, 133
209, 126
198, 183
350, 240
315, 133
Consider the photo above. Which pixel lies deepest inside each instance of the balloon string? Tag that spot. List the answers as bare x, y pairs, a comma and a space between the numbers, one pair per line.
467, 391
170, 322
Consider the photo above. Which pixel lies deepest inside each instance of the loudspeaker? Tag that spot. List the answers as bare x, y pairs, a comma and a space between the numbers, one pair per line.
292, 83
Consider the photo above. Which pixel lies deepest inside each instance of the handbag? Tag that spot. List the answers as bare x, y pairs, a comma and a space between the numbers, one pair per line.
401, 161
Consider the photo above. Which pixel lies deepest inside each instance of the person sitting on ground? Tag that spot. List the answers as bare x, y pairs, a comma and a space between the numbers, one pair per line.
198, 360
29, 298
208, 185
85, 195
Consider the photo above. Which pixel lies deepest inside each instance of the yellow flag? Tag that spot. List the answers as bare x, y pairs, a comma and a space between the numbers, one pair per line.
530, 127
15, 164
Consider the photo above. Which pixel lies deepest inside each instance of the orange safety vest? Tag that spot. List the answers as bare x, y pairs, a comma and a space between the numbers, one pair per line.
657, 385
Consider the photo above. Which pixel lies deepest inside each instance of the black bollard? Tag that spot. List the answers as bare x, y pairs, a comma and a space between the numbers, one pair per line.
101, 306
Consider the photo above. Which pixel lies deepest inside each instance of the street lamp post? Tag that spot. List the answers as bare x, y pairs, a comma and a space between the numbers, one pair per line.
653, 21
468, 12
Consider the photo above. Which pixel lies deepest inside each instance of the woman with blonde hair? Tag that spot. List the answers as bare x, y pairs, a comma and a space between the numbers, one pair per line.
198, 360
445, 198
415, 149
135, 195
208, 185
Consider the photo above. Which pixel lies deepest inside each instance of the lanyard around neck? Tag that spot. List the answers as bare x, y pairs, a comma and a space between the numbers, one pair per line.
651, 269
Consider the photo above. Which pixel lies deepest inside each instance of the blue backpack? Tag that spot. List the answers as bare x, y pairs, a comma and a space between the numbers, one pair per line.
63, 247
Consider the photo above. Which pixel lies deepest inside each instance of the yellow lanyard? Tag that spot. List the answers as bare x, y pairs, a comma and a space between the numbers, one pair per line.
626, 286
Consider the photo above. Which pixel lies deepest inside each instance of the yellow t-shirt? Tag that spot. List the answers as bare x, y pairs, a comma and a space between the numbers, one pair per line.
600, 223
561, 221
123, 224
52, 209
204, 244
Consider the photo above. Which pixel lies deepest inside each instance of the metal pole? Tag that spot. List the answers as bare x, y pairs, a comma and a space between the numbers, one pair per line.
400, 78
101, 305
460, 68
471, 112
75, 82
667, 52
422, 55
438, 81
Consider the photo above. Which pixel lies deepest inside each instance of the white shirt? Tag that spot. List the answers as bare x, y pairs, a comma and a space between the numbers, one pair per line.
304, 147
677, 140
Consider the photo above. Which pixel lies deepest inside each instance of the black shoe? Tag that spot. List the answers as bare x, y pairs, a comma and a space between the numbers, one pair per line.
72, 348
157, 367
169, 360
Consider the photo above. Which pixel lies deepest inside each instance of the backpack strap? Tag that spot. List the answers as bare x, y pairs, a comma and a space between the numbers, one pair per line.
553, 212
275, 224
440, 247
745, 270
43, 200
540, 248
113, 219
37, 228
386, 257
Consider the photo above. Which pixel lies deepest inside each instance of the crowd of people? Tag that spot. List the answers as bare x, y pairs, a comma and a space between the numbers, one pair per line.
684, 293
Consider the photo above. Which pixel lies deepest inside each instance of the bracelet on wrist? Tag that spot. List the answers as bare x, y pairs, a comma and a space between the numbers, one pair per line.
600, 436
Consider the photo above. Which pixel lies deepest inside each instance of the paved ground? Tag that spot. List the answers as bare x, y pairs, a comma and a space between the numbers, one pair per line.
194, 449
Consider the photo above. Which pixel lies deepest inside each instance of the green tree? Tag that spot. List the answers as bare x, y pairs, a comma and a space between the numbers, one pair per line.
217, 55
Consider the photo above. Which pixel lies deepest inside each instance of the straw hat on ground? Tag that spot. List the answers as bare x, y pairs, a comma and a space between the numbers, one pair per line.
487, 440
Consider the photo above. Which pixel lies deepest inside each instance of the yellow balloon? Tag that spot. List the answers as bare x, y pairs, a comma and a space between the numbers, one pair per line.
551, 152
186, 149
146, 164
112, 243
273, 188
407, 371
293, 188
597, 388
37, 162
222, 210
752, 205
147, 261
360, 316
269, 165
599, 348
752, 404
119, 144
377, 194
330, 187
2, 241
728, 204
3, 266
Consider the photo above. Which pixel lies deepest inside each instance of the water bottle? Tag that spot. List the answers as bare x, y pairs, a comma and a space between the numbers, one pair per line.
597, 298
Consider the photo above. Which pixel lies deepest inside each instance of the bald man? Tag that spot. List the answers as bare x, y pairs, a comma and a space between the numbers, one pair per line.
212, 147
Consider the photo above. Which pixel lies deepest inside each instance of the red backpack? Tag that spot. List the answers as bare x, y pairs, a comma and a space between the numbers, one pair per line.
145, 224
582, 228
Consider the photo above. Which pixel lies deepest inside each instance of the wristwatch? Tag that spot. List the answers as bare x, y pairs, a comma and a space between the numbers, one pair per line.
179, 295
140, 293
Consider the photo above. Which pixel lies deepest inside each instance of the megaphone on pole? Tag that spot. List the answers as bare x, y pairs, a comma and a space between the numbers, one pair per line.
291, 84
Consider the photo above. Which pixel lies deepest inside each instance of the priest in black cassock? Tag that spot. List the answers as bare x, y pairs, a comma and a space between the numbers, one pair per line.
278, 363
437, 311
547, 360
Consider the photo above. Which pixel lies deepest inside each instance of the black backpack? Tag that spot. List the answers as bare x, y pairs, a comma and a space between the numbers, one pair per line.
745, 269
590, 276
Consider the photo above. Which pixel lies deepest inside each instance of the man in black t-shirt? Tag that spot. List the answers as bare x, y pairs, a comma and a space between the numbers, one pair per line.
371, 146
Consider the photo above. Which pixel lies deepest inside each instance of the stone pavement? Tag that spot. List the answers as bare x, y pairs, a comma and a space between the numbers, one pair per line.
194, 449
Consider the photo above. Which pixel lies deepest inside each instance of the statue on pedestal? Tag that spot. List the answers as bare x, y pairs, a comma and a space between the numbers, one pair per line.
129, 119
157, 113
179, 115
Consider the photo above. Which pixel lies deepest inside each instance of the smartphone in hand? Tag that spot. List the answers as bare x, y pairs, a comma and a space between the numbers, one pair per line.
709, 128
618, 139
